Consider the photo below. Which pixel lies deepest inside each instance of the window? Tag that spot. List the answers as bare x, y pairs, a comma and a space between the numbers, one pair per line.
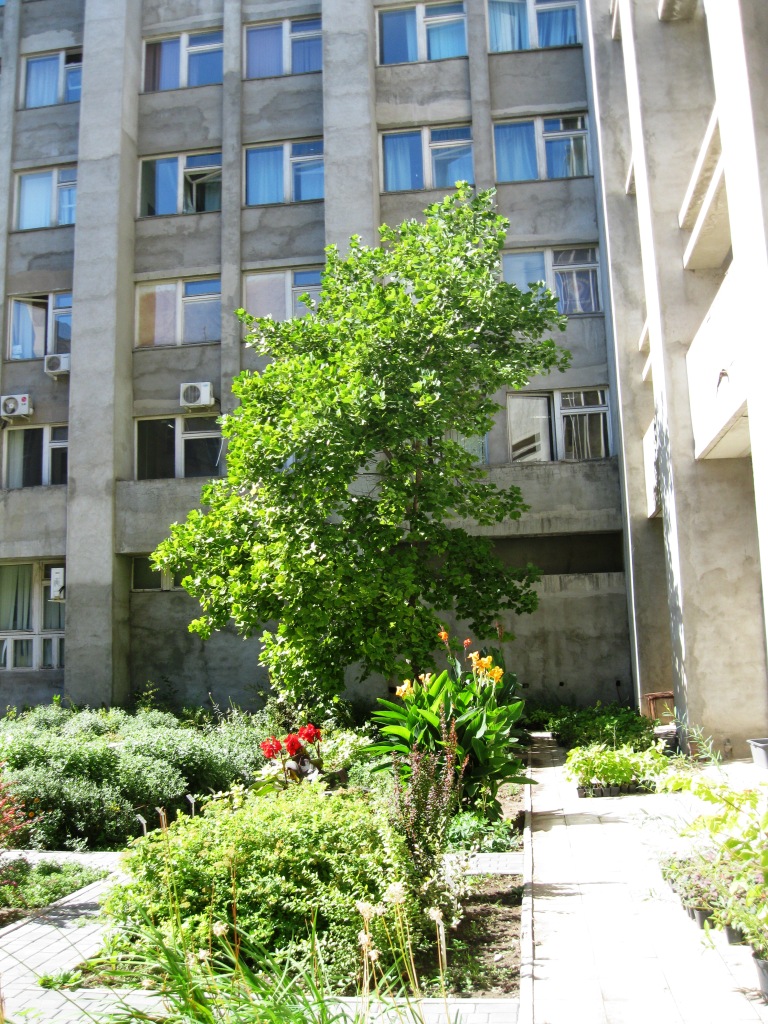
277, 293
529, 24
40, 324
185, 60
567, 425
47, 198
35, 456
31, 624
147, 578
476, 445
423, 32
53, 78
427, 158
178, 312
288, 47
290, 172
571, 273
548, 147
178, 446
180, 184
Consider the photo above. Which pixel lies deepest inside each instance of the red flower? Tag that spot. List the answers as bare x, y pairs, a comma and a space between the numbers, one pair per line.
309, 733
292, 744
271, 747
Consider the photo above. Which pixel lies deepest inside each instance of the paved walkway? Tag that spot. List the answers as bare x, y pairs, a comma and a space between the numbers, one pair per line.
611, 942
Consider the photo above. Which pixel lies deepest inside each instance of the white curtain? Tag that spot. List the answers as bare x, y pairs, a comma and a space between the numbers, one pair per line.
28, 321
15, 597
264, 176
516, 152
42, 82
509, 25
265, 52
35, 200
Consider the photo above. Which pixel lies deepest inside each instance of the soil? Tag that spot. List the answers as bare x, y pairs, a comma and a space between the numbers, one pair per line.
484, 951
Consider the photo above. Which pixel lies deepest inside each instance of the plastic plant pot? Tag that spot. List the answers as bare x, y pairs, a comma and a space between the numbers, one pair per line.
759, 751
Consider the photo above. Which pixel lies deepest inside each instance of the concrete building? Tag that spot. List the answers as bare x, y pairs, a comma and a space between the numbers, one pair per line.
164, 162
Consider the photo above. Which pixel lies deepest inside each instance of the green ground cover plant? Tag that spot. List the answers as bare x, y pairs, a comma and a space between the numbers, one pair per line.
26, 886
613, 724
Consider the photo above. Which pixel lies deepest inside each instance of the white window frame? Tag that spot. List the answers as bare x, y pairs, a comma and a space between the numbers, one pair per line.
541, 136
423, 21
64, 67
533, 24
185, 48
57, 185
181, 301
180, 435
428, 147
165, 577
556, 418
49, 444
289, 33
181, 176
52, 313
291, 290
289, 160
36, 634
551, 271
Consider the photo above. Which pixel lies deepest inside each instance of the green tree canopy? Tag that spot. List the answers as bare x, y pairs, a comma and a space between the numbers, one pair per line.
338, 529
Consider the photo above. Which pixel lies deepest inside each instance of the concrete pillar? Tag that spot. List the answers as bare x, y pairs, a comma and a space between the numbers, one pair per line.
101, 419
9, 55
480, 91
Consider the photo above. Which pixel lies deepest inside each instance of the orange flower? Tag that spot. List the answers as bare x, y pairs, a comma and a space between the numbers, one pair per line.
496, 673
467, 643
443, 636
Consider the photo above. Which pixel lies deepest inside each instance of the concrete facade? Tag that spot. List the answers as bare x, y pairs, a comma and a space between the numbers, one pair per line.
592, 637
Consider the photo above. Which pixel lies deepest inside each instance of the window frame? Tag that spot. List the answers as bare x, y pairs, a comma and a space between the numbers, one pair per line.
52, 314
181, 302
286, 41
167, 579
38, 635
532, 8
557, 414
289, 163
428, 149
184, 54
181, 434
58, 187
551, 270
423, 21
181, 177
61, 84
541, 136
291, 290
49, 445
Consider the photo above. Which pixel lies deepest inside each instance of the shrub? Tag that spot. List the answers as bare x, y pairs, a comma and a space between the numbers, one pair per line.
146, 782
473, 833
278, 865
25, 886
613, 724
614, 766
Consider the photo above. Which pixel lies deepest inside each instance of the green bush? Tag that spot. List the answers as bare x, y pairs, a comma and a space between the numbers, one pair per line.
613, 724
474, 833
146, 782
602, 765
24, 886
285, 863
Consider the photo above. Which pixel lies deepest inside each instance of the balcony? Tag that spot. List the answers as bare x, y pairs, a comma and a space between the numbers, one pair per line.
704, 212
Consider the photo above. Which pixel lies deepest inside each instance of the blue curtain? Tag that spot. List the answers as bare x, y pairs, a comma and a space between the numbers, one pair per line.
306, 48
447, 40
403, 167
451, 163
42, 82
169, 57
566, 157
35, 200
397, 36
265, 52
509, 25
558, 28
264, 176
515, 152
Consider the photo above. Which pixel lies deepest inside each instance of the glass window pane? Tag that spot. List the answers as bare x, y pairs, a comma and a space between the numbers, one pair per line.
306, 55
22, 654
155, 449
53, 611
528, 425
201, 456
264, 56
59, 465
200, 424
585, 436
62, 332
25, 458
35, 200
559, 27
144, 578
157, 315
451, 163
205, 286
159, 187
515, 152
508, 24
15, 597
305, 282
67, 204
5, 645
202, 320
162, 63
524, 269
446, 40
566, 157
403, 168
205, 68
28, 328
397, 37
265, 295
264, 176
73, 80
307, 179
577, 291
47, 661
42, 85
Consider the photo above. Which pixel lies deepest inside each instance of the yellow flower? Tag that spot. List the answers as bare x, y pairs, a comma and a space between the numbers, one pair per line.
405, 690
496, 673
485, 663
473, 657
425, 678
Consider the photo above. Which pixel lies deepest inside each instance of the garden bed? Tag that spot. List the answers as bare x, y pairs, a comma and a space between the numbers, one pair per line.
484, 951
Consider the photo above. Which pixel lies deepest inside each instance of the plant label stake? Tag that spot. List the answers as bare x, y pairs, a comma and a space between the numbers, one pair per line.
142, 822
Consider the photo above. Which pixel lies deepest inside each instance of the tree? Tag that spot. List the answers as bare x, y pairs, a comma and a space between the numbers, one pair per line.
338, 527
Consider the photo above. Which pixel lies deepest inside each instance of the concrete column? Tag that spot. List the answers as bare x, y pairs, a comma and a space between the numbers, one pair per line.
480, 90
9, 54
101, 410
349, 118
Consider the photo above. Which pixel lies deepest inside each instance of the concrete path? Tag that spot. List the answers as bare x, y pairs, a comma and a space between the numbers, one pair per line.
611, 942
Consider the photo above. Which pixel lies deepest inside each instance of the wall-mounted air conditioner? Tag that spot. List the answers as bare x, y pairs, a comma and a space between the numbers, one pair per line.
56, 365
13, 406
196, 395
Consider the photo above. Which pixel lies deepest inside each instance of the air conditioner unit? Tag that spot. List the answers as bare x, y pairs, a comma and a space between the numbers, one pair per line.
58, 588
12, 406
56, 365
196, 395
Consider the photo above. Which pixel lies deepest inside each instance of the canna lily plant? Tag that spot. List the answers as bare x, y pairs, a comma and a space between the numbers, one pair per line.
477, 698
